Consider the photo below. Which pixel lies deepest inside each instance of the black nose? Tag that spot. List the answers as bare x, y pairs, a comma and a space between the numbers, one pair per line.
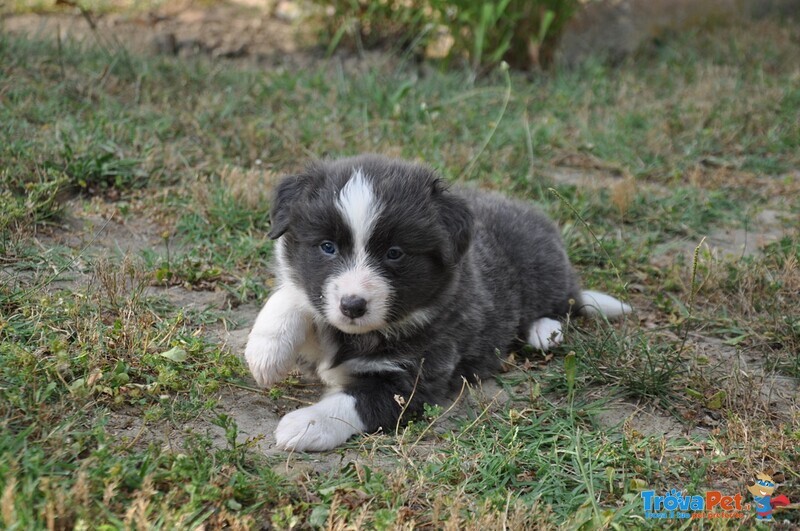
353, 306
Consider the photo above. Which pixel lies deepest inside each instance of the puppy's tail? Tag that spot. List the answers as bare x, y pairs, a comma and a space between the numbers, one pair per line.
596, 303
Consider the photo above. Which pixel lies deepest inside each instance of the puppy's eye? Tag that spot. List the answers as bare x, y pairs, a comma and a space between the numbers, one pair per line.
328, 247
394, 253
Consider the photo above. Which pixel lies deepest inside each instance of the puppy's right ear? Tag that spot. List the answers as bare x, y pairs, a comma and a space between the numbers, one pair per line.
457, 221
287, 192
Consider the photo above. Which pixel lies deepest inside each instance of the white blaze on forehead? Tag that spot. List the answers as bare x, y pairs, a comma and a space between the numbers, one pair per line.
360, 208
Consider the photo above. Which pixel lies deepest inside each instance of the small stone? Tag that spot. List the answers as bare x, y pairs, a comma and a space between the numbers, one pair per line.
165, 43
288, 11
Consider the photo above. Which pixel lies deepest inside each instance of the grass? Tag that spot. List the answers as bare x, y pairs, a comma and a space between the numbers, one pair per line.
687, 139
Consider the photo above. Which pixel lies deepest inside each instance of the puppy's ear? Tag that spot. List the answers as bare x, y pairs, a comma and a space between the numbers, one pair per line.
287, 192
457, 220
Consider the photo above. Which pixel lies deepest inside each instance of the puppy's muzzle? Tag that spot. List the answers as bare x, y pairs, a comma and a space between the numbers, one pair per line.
353, 306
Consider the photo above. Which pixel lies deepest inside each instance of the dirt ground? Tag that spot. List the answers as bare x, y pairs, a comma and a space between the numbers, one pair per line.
270, 33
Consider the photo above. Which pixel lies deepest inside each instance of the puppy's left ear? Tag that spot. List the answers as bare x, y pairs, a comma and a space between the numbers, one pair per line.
457, 221
287, 192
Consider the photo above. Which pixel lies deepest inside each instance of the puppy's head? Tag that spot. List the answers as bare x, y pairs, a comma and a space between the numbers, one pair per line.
372, 241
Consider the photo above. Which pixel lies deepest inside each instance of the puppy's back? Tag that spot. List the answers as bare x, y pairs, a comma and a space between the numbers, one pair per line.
527, 247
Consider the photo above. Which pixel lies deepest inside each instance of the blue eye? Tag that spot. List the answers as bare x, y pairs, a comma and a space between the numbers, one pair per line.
328, 247
394, 253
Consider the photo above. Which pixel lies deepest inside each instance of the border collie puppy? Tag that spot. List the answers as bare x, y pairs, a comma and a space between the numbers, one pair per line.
392, 287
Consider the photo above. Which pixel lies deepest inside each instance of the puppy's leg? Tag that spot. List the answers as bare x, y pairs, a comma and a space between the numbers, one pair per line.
366, 404
323, 426
545, 334
281, 328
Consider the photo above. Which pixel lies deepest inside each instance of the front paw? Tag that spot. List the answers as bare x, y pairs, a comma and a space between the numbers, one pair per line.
269, 360
545, 334
323, 426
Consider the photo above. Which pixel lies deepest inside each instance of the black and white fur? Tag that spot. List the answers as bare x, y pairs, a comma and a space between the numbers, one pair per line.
393, 287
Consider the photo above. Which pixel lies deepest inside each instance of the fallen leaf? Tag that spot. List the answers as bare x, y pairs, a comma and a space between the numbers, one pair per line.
175, 354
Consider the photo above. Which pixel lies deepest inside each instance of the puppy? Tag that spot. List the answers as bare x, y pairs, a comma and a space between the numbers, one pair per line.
392, 287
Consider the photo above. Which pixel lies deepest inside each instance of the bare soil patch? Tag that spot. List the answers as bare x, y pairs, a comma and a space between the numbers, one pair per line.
270, 33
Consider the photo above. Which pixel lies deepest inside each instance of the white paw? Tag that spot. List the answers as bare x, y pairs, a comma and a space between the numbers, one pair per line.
280, 329
269, 360
323, 426
545, 334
